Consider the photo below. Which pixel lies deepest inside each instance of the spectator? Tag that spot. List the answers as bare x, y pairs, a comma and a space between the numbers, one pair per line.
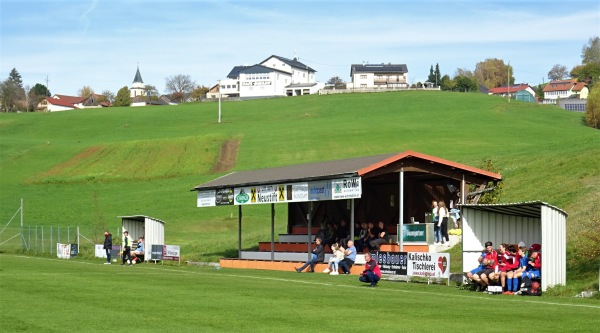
443, 221
350, 254
362, 237
126, 248
372, 233
382, 237
318, 255
343, 233
338, 255
371, 274
139, 250
513, 277
435, 218
490, 262
107, 245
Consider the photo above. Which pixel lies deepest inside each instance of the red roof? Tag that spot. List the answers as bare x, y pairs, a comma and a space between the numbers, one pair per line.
511, 89
561, 85
579, 86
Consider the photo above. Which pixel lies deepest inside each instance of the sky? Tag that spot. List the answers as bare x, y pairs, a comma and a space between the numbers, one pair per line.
100, 43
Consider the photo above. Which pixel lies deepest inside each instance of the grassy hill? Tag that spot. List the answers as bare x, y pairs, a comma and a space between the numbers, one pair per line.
86, 167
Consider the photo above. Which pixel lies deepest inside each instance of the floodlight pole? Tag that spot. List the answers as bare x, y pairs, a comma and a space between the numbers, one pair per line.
219, 101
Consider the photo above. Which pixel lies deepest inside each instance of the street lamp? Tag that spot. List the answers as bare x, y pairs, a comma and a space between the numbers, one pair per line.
219, 101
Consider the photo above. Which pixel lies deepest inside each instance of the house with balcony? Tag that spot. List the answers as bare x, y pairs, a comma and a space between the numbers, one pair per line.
378, 76
563, 89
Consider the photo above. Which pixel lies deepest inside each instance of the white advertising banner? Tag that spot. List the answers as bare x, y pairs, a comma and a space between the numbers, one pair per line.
63, 251
207, 198
436, 265
171, 252
99, 251
346, 188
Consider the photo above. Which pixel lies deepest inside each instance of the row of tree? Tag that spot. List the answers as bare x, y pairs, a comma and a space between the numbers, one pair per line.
16, 97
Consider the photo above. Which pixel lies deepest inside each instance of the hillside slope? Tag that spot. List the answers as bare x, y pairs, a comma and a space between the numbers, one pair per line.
86, 167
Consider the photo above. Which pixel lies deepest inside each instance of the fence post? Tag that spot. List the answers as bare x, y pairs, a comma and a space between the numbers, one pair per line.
29, 237
78, 240
43, 249
68, 234
58, 234
22, 236
50, 240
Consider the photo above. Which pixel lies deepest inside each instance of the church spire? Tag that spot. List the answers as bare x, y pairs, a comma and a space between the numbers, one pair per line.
138, 76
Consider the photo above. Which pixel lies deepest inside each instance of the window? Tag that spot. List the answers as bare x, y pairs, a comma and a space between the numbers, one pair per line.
363, 76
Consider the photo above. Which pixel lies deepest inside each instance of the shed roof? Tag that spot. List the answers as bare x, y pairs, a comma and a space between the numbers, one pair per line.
526, 208
140, 218
361, 166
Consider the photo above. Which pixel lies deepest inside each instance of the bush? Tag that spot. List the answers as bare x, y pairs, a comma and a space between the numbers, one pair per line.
592, 111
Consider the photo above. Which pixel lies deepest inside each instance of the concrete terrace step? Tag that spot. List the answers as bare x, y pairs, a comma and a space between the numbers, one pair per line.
288, 247
295, 238
290, 256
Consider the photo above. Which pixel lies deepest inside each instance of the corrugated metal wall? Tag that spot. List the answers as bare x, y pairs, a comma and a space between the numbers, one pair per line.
153, 231
480, 226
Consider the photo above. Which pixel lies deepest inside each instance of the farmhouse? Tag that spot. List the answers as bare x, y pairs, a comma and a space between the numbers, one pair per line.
382, 76
521, 92
562, 89
65, 102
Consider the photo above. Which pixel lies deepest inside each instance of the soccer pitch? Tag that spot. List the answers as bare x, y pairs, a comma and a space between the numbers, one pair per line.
49, 295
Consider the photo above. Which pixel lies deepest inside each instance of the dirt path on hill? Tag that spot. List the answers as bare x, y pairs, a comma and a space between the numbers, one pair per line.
227, 157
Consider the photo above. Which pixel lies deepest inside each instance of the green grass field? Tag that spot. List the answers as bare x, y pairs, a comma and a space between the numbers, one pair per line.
53, 295
86, 167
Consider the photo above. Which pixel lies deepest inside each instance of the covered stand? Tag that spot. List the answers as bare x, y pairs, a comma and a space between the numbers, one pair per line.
153, 230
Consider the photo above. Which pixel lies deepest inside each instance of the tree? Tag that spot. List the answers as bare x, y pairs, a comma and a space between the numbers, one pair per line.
447, 83
10, 94
123, 97
592, 110
336, 82
466, 84
591, 51
493, 73
15, 77
589, 73
40, 90
438, 75
85, 91
179, 85
199, 92
107, 96
431, 76
464, 72
558, 72
151, 92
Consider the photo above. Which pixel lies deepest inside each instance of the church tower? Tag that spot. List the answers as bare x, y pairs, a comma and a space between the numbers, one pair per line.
137, 89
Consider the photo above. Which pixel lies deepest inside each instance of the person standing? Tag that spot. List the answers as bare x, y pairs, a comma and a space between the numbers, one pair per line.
443, 221
126, 248
318, 255
371, 274
107, 245
435, 218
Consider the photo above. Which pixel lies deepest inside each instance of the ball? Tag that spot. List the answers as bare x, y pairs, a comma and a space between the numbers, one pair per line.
133, 262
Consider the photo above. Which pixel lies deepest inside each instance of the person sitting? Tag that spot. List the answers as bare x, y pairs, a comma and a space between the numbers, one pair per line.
350, 254
534, 264
139, 251
371, 274
382, 237
490, 262
343, 234
338, 255
362, 237
478, 268
318, 255
513, 277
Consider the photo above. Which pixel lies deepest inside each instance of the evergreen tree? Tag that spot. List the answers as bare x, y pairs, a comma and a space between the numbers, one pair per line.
431, 77
15, 77
438, 75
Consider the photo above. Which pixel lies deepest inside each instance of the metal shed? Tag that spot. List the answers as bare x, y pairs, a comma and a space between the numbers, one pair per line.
531, 222
153, 230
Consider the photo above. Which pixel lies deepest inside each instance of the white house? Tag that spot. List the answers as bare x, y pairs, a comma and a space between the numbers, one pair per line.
274, 76
378, 76
562, 89
65, 102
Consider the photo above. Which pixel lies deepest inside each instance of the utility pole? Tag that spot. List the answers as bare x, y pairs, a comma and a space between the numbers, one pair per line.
219, 101
508, 82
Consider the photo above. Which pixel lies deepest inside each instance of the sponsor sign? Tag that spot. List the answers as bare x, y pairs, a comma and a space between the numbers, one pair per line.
394, 263
436, 265
157, 252
415, 233
99, 251
170, 252
346, 188
63, 251
207, 198
297, 192
224, 196
319, 190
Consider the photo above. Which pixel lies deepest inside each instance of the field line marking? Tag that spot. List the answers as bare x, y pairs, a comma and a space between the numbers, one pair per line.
361, 287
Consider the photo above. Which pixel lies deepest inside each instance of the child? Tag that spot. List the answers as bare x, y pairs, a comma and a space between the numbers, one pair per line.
338, 255
513, 277
534, 263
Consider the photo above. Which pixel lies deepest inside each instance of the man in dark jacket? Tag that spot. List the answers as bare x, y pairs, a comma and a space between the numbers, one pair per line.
318, 256
107, 246
371, 274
